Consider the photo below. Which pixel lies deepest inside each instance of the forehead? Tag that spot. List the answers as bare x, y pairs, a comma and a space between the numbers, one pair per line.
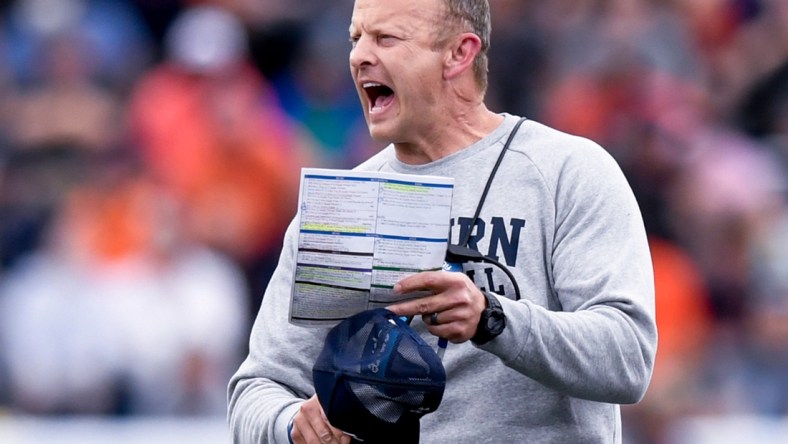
402, 13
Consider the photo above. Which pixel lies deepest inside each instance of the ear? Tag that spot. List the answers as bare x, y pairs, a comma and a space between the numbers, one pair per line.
461, 55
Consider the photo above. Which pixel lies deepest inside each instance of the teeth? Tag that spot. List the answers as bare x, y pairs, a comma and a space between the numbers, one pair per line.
370, 85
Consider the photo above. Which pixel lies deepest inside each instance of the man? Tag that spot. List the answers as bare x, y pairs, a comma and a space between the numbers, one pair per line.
579, 335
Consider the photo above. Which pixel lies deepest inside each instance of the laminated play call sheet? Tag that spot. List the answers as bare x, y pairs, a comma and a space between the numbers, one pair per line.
359, 233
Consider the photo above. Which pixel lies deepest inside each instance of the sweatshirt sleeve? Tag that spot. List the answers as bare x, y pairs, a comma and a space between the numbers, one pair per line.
276, 376
601, 345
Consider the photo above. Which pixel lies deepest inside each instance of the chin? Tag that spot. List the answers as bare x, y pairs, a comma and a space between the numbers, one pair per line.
380, 132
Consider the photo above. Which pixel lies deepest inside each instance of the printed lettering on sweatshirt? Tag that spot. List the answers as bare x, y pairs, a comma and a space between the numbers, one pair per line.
502, 239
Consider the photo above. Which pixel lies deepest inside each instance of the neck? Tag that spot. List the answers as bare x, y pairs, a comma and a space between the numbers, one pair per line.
449, 135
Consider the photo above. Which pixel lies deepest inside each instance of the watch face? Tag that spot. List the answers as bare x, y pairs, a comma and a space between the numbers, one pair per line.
495, 322
492, 322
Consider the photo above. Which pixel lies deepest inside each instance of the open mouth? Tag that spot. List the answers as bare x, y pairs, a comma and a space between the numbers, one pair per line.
379, 96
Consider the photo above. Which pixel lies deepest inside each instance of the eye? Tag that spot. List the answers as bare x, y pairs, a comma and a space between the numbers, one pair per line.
386, 38
353, 41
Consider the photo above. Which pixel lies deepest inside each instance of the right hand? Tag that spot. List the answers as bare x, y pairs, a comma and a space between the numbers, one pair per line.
310, 426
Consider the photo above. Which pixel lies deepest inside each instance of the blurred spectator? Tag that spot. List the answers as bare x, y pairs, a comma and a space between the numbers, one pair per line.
767, 323
116, 313
741, 41
277, 28
157, 16
718, 204
111, 35
66, 105
721, 206
764, 112
319, 93
519, 58
658, 94
56, 111
609, 72
210, 129
32, 185
685, 323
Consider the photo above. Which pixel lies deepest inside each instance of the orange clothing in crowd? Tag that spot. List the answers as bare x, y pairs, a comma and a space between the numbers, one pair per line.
221, 144
684, 319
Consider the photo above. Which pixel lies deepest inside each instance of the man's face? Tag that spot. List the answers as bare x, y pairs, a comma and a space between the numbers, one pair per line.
396, 69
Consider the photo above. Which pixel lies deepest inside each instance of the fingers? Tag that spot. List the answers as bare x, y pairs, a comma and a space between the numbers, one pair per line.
427, 280
449, 291
424, 307
435, 282
311, 426
453, 325
453, 310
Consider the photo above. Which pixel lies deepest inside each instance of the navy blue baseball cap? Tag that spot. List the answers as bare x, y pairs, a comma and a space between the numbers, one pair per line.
376, 377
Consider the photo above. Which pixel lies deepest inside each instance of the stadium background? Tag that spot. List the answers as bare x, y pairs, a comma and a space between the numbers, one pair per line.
149, 158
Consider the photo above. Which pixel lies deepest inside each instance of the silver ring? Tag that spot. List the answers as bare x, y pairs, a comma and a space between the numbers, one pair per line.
434, 318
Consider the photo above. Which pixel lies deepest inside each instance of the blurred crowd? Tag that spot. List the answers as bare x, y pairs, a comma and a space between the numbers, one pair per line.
150, 154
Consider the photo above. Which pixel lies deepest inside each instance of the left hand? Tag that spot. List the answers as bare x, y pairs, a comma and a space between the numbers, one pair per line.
310, 425
455, 299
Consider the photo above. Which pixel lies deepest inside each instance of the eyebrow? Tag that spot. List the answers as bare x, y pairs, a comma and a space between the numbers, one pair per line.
387, 27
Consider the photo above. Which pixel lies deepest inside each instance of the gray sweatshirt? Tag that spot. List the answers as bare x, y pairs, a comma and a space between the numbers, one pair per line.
580, 341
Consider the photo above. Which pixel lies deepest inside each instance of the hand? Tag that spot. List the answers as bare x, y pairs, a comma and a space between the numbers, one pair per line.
455, 299
310, 426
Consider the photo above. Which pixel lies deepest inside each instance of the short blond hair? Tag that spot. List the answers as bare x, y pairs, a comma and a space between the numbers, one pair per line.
470, 16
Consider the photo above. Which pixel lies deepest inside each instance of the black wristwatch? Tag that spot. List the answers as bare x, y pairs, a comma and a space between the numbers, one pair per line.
492, 321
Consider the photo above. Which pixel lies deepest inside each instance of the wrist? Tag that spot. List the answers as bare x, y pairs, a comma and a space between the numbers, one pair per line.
290, 429
491, 322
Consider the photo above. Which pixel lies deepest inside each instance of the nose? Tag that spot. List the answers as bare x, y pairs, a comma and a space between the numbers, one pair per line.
361, 54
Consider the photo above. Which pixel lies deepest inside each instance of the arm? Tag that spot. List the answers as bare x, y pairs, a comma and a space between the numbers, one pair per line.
274, 383
601, 345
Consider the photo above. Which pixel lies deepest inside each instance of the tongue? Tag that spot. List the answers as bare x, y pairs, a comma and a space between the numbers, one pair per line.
383, 100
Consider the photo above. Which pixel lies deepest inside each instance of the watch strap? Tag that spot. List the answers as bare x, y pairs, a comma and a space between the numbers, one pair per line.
492, 321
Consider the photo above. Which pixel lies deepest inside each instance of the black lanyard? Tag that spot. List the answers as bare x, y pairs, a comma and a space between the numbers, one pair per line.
462, 253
